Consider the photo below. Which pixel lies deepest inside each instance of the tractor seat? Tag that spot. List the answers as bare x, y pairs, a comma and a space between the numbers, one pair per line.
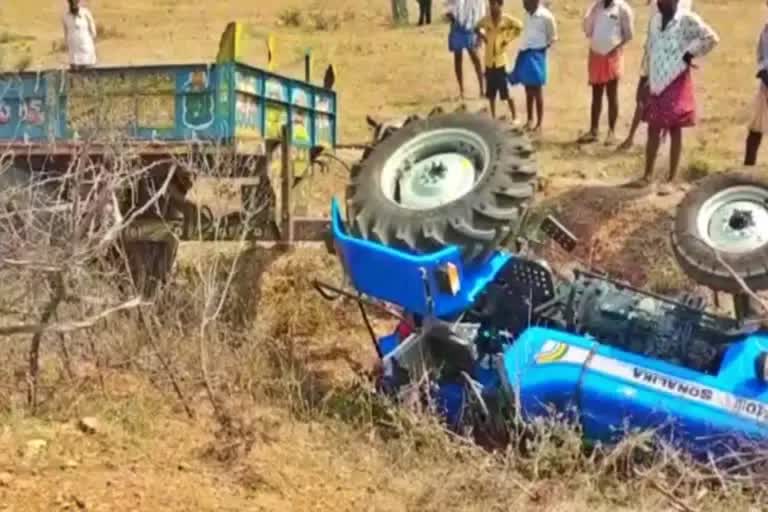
519, 288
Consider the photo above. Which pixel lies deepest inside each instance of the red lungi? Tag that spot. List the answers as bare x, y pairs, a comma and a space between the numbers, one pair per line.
675, 107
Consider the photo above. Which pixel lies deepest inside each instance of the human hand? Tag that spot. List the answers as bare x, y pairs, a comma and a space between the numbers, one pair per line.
763, 76
688, 58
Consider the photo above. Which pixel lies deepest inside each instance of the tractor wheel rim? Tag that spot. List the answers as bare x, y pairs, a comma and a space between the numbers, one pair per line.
435, 168
735, 220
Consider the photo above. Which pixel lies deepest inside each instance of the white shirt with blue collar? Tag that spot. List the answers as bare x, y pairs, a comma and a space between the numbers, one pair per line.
539, 31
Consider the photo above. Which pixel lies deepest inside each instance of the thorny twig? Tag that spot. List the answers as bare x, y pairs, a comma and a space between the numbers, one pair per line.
57, 294
754, 296
677, 502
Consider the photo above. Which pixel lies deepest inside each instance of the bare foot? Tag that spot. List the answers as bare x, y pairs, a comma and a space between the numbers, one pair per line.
665, 189
626, 145
610, 140
587, 138
643, 182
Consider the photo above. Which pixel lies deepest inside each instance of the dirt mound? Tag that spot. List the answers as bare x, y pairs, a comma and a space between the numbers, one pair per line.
622, 231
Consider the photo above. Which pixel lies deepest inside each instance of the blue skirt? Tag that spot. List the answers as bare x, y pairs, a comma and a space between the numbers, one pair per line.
530, 68
460, 39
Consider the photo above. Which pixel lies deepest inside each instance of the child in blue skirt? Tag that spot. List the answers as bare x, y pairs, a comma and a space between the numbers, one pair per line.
530, 71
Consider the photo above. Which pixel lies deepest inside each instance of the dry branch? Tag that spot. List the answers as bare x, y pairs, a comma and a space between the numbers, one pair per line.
754, 296
72, 325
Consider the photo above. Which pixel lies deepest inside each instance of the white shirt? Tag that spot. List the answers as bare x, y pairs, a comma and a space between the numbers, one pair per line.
79, 34
762, 49
609, 27
686, 5
664, 50
467, 13
540, 29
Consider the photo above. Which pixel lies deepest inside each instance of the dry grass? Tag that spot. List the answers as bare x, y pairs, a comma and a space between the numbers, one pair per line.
299, 435
304, 432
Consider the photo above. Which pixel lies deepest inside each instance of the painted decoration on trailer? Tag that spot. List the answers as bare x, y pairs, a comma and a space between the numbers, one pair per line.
198, 107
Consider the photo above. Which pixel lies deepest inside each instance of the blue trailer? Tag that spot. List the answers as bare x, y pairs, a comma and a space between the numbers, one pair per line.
223, 115
172, 112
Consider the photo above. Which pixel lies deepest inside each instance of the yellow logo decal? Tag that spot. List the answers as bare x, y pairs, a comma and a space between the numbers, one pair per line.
551, 352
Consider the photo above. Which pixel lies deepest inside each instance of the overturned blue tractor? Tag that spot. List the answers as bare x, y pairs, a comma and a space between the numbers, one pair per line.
435, 213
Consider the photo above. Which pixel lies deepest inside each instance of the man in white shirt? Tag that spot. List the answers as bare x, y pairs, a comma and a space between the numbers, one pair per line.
675, 38
80, 36
530, 71
637, 118
609, 25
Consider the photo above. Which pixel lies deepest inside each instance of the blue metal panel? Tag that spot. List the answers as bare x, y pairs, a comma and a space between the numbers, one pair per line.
24, 114
616, 390
172, 103
407, 279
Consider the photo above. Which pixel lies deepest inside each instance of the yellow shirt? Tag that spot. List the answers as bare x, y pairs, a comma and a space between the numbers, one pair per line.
498, 38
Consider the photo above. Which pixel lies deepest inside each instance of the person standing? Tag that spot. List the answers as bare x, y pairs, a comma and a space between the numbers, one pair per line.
80, 36
425, 12
497, 30
637, 117
675, 38
759, 123
609, 25
530, 69
464, 15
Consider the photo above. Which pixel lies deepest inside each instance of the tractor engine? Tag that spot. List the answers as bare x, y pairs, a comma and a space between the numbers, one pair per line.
677, 331
613, 313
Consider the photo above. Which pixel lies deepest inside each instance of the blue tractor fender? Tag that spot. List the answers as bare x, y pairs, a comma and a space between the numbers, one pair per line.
421, 284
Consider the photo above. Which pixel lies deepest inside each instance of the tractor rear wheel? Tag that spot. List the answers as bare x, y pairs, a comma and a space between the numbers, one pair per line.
725, 220
451, 179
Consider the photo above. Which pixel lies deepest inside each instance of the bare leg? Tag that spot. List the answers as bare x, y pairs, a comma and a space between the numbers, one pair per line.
457, 66
492, 101
529, 106
636, 118
539, 96
478, 69
675, 150
597, 108
754, 139
651, 152
512, 112
612, 90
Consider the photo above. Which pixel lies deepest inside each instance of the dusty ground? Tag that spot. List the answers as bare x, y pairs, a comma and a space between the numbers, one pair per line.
146, 456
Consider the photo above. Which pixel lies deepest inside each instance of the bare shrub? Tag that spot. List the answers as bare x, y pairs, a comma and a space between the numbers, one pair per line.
291, 17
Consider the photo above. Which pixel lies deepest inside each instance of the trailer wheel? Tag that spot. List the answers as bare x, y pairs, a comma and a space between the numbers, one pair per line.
451, 179
726, 215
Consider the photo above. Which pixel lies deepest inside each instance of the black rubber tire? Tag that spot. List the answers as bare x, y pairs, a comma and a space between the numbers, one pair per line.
697, 259
475, 222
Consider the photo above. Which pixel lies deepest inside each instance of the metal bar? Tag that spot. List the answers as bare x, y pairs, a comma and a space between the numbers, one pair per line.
286, 180
742, 306
322, 288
